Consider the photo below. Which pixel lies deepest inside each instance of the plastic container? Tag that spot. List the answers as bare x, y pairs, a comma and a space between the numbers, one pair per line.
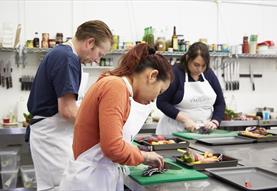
28, 176
9, 159
9, 179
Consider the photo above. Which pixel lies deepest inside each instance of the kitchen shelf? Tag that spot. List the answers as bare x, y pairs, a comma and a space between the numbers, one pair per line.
98, 67
178, 53
36, 50
165, 53
4, 49
256, 56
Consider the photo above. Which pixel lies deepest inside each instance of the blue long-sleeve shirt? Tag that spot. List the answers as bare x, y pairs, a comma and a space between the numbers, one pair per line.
174, 94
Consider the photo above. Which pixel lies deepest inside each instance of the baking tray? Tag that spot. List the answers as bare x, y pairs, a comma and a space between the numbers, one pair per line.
225, 140
180, 143
256, 178
261, 139
226, 162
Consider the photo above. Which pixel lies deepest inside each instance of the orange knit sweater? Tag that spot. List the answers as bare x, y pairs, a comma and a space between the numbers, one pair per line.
100, 119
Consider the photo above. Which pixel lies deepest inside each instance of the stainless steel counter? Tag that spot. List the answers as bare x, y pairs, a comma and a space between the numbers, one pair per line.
256, 154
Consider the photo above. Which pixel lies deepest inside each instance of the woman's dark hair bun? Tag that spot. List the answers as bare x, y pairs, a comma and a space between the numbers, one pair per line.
151, 50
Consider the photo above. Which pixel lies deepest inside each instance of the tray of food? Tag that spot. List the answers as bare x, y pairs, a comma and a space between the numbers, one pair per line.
247, 178
225, 140
259, 134
160, 142
201, 161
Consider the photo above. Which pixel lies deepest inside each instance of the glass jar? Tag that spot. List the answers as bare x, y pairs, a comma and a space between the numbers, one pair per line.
59, 38
161, 44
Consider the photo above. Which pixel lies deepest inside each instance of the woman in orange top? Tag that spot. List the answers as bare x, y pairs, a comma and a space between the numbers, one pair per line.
112, 112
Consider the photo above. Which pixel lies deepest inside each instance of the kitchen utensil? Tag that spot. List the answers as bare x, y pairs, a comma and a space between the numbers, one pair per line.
251, 76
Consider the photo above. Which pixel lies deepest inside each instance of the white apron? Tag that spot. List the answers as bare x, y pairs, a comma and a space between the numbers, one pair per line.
199, 98
92, 170
51, 146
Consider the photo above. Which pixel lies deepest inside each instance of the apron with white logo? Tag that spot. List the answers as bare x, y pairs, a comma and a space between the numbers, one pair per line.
197, 104
92, 170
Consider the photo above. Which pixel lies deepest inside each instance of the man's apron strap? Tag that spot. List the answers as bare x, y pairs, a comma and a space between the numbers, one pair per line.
28, 129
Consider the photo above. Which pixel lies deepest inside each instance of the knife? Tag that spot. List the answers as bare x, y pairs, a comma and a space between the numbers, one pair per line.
251, 76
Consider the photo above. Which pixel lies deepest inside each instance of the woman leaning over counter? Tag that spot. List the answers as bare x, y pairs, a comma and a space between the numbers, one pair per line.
112, 112
194, 98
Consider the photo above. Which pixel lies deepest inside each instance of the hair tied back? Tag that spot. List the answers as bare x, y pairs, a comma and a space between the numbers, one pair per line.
151, 51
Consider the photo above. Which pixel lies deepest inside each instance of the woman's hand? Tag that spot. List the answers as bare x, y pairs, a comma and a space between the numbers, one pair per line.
213, 124
189, 125
153, 159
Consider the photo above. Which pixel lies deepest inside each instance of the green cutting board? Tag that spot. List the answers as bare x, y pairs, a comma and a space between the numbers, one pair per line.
180, 174
215, 133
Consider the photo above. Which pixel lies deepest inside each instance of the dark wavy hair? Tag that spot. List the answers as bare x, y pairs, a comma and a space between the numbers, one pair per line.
138, 59
195, 50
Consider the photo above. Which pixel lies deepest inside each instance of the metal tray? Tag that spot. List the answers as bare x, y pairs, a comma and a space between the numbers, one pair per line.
261, 139
256, 178
225, 140
180, 143
226, 162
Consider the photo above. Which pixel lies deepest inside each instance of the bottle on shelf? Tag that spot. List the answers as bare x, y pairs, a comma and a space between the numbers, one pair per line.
245, 45
174, 40
59, 38
36, 40
253, 44
45, 40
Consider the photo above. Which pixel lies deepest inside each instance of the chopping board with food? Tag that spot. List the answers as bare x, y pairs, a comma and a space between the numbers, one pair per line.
172, 173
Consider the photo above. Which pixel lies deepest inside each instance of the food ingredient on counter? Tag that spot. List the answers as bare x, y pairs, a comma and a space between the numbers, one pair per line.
188, 156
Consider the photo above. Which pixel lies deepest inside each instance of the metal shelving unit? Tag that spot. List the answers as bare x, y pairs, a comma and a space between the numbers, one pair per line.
256, 56
4, 49
98, 67
16, 52
36, 50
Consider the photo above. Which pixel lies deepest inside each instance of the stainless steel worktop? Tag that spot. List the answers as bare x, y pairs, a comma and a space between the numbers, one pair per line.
255, 154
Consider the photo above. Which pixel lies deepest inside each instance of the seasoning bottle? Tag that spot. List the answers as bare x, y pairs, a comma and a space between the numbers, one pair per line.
59, 38
253, 44
174, 40
36, 41
245, 45
44, 40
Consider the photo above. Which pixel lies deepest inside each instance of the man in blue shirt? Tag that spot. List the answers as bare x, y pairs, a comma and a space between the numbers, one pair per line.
53, 96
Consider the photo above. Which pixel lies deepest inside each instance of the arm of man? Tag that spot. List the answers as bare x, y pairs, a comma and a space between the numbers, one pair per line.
67, 107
